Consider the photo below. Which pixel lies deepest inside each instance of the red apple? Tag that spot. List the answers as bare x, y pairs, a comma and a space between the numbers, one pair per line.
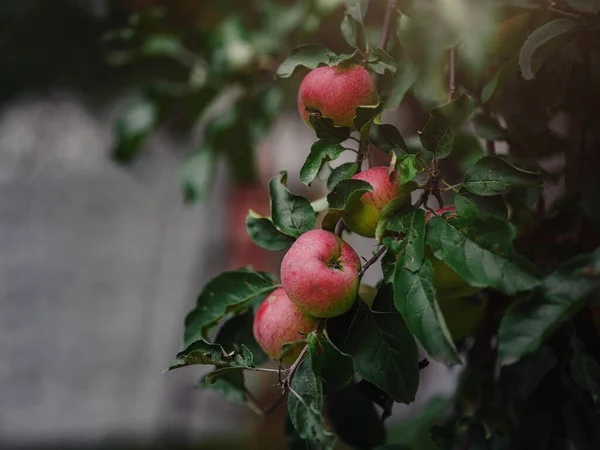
336, 92
278, 321
320, 274
363, 216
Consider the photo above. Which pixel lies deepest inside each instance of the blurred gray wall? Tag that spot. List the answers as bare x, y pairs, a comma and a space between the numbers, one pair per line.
98, 266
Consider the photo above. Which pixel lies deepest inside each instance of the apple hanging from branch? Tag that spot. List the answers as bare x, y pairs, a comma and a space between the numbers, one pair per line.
320, 274
277, 322
335, 92
363, 216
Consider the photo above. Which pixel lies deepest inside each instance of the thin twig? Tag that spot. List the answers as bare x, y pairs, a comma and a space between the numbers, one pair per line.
287, 381
490, 147
372, 261
387, 20
423, 363
452, 76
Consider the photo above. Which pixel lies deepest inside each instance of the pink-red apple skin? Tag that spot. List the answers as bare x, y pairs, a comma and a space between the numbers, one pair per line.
320, 274
278, 321
363, 216
336, 92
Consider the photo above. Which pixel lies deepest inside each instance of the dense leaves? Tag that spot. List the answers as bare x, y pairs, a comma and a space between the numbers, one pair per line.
510, 279
480, 250
382, 348
562, 294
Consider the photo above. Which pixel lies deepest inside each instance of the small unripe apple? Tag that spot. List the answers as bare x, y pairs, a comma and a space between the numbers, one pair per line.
362, 216
320, 274
278, 321
336, 92
449, 285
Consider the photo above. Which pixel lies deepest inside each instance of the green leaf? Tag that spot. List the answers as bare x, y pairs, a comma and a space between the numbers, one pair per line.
444, 122
132, 128
321, 152
585, 371
202, 352
387, 138
494, 204
343, 196
357, 9
414, 297
292, 214
407, 169
404, 81
162, 45
349, 31
383, 349
480, 250
237, 332
229, 386
380, 61
563, 293
326, 130
329, 364
585, 6
309, 56
365, 116
542, 43
305, 406
197, 175
489, 128
391, 209
264, 233
336, 60
407, 245
354, 419
343, 172
492, 175
227, 292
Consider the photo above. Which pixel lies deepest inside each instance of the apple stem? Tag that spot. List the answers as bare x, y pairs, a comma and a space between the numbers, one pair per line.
372, 261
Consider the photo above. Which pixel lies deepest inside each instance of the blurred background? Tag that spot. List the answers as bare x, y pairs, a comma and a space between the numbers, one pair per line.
134, 137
